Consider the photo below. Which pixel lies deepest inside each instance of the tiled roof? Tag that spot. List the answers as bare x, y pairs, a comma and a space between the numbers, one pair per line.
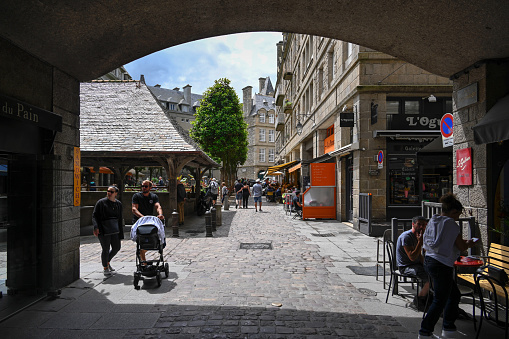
125, 117
267, 89
173, 96
263, 101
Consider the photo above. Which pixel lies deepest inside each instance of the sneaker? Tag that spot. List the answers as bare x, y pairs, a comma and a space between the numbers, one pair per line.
260, 209
431, 336
235, 206
111, 268
107, 272
449, 334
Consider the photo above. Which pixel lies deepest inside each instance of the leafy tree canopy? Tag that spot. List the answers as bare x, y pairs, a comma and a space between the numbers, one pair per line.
219, 126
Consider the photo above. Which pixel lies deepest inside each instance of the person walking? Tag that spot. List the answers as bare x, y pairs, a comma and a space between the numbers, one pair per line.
143, 203
108, 228
181, 201
214, 190
224, 192
246, 193
257, 195
238, 193
442, 242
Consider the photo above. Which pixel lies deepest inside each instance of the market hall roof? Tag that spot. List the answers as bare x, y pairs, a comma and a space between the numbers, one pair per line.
123, 120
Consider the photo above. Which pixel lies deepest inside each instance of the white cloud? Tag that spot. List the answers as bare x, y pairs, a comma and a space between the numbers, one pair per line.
242, 58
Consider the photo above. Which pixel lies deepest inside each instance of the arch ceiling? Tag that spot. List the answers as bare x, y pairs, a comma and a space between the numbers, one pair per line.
87, 39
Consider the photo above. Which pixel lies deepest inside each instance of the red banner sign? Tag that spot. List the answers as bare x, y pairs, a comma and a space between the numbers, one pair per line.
464, 166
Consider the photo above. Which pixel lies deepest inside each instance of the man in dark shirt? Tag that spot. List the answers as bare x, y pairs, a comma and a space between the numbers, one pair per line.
297, 204
238, 194
409, 256
143, 204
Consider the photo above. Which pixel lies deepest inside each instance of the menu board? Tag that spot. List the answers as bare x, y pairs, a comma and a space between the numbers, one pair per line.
323, 174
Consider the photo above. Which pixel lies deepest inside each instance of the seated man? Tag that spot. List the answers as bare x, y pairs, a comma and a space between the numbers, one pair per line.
297, 204
409, 256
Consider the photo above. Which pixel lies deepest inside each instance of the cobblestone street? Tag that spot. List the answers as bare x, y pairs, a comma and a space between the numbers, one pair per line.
301, 288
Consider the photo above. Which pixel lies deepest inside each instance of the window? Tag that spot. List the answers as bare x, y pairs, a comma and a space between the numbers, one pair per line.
271, 135
271, 155
271, 118
411, 107
392, 107
262, 117
320, 82
261, 155
262, 134
182, 120
330, 67
185, 109
172, 107
187, 120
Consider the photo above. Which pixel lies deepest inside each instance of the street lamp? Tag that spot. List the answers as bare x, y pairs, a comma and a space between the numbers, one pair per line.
299, 125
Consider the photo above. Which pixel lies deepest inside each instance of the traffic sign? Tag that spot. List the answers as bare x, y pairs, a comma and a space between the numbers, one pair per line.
380, 159
446, 125
446, 129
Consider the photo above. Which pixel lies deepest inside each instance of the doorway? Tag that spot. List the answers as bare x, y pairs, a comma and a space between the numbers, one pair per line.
349, 188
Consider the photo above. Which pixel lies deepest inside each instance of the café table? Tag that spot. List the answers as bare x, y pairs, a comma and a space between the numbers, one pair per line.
467, 265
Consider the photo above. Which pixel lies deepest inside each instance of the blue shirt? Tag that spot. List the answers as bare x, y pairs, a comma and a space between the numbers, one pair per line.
257, 190
406, 238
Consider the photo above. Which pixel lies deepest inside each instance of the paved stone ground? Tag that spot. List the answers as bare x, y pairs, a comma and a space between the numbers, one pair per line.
301, 288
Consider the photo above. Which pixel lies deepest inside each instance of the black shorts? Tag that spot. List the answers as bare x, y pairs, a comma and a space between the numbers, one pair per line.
214, 196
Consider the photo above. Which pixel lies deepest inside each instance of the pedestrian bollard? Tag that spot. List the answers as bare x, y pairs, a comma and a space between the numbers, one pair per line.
175, 224
208, 225
226, 203
219, 215
213, 216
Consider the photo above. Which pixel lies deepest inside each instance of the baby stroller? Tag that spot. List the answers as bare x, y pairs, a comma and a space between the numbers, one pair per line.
148, 233
205, 203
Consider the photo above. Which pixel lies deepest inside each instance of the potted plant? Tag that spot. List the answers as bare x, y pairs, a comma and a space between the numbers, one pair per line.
288, 106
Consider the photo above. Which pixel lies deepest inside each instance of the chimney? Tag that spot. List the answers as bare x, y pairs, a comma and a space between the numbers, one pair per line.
247, 93
142, 78
176, 89
261, 82
158, 86
187, 93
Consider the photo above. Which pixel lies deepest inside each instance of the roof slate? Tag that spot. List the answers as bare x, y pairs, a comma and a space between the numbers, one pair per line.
173, 96
126, 117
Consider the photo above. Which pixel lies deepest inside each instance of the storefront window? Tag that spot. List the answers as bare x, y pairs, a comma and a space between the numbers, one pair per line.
403, 188
319, 196
3, 192
436, 182
411, 107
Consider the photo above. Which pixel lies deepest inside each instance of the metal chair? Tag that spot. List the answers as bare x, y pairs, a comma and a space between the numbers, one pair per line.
288, 204
396, 276
495, 310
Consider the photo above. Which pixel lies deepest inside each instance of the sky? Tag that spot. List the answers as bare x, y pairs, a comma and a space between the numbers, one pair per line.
242, 58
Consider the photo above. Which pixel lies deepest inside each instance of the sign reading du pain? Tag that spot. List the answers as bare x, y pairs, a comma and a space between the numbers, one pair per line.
19, 110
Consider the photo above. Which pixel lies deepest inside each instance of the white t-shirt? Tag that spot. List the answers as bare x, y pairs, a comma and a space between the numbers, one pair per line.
439, 239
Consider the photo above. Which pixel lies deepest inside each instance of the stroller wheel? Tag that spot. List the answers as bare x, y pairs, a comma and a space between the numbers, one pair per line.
158, 278
166, 270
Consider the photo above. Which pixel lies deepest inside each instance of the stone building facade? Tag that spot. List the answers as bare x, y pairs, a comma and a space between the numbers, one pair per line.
179, 104
259, 114
396, 109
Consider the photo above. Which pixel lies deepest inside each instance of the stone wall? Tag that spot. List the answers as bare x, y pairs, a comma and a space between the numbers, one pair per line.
33, 81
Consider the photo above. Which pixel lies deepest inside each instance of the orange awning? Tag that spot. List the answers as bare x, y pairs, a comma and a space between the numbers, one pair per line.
104, 170
294, 168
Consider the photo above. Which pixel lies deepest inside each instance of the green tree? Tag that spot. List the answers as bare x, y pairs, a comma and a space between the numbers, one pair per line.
219, 128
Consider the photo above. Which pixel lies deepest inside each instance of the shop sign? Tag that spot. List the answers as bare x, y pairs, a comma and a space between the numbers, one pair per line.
467, 96
77, 177
19, 110
346, 119
446, 129
464, 166
323, 174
